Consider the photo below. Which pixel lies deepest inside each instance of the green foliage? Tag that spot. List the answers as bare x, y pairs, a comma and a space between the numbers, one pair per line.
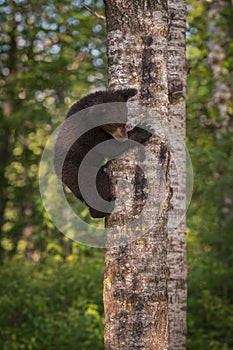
210, 248
52, 305
51, 53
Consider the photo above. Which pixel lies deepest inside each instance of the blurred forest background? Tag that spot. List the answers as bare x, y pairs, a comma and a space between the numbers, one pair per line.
51, 54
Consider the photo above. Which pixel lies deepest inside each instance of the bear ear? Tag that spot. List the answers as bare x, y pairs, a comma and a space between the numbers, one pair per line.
127, 93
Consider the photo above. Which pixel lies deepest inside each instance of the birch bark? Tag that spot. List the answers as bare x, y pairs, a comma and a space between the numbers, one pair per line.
177, 284
136, 296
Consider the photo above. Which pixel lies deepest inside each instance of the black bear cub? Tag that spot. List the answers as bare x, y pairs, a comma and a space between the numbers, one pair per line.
77, 138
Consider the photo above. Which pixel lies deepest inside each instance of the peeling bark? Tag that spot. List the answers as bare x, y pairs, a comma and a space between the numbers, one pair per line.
136, 295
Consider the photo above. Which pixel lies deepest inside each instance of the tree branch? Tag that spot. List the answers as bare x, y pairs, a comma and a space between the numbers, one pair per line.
94, 13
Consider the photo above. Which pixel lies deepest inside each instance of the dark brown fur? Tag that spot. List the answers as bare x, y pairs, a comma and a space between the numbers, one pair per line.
92, 138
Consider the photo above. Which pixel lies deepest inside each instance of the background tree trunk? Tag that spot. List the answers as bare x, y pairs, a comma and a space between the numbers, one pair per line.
136, 272
220, 32
6, 134
220, 37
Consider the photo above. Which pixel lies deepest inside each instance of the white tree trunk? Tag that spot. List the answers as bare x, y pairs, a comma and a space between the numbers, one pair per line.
136, 283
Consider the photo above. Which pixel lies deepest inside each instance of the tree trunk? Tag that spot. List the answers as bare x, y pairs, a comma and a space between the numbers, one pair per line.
220, 31
177, 284
220, 37
136, 296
